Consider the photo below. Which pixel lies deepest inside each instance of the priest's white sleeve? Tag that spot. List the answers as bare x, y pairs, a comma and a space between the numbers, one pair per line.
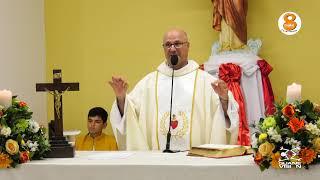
118, 122
118, 125
127, 129
233, 114
220, 133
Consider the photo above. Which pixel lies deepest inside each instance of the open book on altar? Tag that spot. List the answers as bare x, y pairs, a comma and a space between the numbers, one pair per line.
220, 151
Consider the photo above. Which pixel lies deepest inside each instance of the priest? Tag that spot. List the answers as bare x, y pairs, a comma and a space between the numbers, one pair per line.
203, 110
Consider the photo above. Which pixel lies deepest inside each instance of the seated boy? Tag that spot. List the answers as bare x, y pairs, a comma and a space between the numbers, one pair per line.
96, 140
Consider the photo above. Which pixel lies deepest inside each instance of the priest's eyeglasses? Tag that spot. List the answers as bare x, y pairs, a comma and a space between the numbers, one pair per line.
177, 45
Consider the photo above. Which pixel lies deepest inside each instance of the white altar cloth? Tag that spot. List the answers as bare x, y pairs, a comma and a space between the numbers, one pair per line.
150, 165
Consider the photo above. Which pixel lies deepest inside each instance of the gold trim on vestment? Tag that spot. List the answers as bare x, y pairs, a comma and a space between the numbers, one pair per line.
156, 94
193, 96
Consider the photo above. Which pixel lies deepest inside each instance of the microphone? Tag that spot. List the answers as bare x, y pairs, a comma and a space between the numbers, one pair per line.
174, 61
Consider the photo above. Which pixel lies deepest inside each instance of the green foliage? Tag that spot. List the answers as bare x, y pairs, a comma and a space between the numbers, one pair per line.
25, 133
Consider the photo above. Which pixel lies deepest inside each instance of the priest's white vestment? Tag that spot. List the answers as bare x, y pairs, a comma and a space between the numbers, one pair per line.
197, 114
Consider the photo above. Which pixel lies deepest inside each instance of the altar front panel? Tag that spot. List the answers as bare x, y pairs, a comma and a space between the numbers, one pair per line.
150, 165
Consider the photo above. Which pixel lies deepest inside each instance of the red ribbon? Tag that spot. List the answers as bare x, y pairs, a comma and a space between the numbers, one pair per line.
268, 96
231, 74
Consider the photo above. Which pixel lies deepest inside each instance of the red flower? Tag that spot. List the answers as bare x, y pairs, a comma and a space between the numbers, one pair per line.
288, 111
295, 124
307, 155
258, 158
24, 156
1, 113
22, 104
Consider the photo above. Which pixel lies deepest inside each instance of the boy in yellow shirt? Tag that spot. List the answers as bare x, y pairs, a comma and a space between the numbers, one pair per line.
96, 140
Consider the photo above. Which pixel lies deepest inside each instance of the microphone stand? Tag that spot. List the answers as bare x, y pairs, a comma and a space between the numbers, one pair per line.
167, 150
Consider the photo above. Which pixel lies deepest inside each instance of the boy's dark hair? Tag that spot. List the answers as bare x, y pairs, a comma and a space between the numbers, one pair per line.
98, 111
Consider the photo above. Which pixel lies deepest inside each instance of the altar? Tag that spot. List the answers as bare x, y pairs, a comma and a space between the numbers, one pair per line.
150, 165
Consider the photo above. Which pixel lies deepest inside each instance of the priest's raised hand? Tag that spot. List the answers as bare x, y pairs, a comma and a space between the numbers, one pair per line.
221, 88
120, 87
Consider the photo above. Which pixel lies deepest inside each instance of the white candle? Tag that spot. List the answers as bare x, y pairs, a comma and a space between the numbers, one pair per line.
5, 98
293, 93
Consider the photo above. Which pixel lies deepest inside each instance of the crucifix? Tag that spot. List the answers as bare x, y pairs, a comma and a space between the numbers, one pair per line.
57, 88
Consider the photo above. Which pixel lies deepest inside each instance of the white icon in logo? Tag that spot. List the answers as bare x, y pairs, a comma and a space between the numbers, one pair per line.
289, 158
287, 155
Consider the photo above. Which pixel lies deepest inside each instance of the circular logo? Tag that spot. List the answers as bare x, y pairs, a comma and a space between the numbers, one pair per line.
289, 23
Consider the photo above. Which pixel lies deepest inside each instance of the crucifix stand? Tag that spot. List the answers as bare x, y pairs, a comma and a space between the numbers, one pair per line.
60, 148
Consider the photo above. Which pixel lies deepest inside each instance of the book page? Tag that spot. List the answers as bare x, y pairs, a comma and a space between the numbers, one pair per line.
217, 146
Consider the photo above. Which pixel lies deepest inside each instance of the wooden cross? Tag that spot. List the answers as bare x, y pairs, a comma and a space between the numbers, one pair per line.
57, 88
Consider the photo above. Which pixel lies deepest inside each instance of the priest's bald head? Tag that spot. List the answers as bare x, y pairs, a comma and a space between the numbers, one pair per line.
175, 42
